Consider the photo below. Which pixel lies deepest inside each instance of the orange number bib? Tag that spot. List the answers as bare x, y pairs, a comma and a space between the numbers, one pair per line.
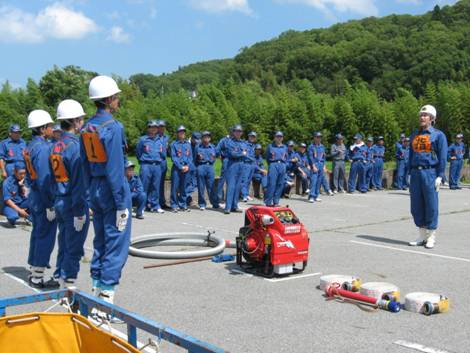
422, 143
29, 166
58, 167
94, 149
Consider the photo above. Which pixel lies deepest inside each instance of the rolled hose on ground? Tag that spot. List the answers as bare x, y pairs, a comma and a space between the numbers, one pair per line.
215, 244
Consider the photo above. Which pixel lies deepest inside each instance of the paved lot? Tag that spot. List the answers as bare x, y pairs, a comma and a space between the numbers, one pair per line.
364, 235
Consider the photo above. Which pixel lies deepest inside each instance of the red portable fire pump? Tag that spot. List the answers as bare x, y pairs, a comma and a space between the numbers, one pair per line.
272, 242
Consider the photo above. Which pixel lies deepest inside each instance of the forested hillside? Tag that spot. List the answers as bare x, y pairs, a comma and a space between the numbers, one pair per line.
369, 76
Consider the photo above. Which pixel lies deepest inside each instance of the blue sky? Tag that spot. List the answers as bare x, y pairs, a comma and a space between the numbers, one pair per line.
125, 37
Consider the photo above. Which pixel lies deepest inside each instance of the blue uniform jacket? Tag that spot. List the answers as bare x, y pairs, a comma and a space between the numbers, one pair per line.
150, 149
68, 173
39, 177
235, 149
292, 166
205, 154
250, 152
428, 149
165, 140
358, 152
12, 151
276, 153
181, 154
378, 151
259, 164
316, 155
13, 191
400, 151
135, 185
370, 153
110, 134
457, 150
222, 147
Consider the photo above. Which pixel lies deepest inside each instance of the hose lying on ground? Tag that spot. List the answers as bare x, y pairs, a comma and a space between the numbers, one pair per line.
214, 244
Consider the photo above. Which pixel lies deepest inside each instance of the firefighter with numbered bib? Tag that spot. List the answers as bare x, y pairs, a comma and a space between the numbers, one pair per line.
71, 204
103, 147
427, 163
39, 179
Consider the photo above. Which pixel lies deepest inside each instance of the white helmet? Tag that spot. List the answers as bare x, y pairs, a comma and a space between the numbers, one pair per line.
428, 109
102, 87
39, 118
69, 109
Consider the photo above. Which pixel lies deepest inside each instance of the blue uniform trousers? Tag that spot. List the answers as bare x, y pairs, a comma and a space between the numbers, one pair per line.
233, 176
377, 173
110, 245
150, 174
276, 183
454, 173
179, 182
70, 242
139, 199
163, 171
369, 173
11, 214
356, 174
401, 174
205, 181
424, 198
315, 182
248, 170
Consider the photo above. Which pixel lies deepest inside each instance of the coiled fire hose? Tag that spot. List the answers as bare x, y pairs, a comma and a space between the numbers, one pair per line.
426, 303
335, 291
214, 244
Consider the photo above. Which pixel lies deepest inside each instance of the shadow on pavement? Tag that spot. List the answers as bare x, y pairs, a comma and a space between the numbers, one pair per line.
18, 271
382, 239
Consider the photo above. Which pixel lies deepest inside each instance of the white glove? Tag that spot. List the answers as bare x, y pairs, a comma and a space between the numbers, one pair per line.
78, 223
438, 183
121, 219
50, 214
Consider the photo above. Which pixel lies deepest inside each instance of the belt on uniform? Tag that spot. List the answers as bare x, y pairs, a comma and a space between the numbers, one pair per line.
278, 162
424, 167
236, 159
151, 163
8, 162
378, 157
203, 163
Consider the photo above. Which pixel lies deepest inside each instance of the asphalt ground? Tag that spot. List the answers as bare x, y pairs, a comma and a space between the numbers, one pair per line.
363, 235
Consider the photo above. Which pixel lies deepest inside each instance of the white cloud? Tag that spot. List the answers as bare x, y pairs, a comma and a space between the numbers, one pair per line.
222, 5
55, 21
362, 7
118, 35
412, 2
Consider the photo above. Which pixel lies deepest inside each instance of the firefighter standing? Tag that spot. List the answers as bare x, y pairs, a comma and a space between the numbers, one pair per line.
357, 155
339, 155
163, 166
102, 145
205, 159
248, 166
276, 155
11, 151
182, 158
71, 204
400, 156
41, 200
428, 155
317, 158
236, 152
456, 156
150, 153
378, 151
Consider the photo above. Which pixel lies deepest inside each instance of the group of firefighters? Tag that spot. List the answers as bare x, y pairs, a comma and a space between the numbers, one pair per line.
56, 183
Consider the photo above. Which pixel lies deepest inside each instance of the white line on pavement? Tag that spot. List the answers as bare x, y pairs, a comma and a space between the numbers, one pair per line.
419, 347
292, 277
411, 251
19, 280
